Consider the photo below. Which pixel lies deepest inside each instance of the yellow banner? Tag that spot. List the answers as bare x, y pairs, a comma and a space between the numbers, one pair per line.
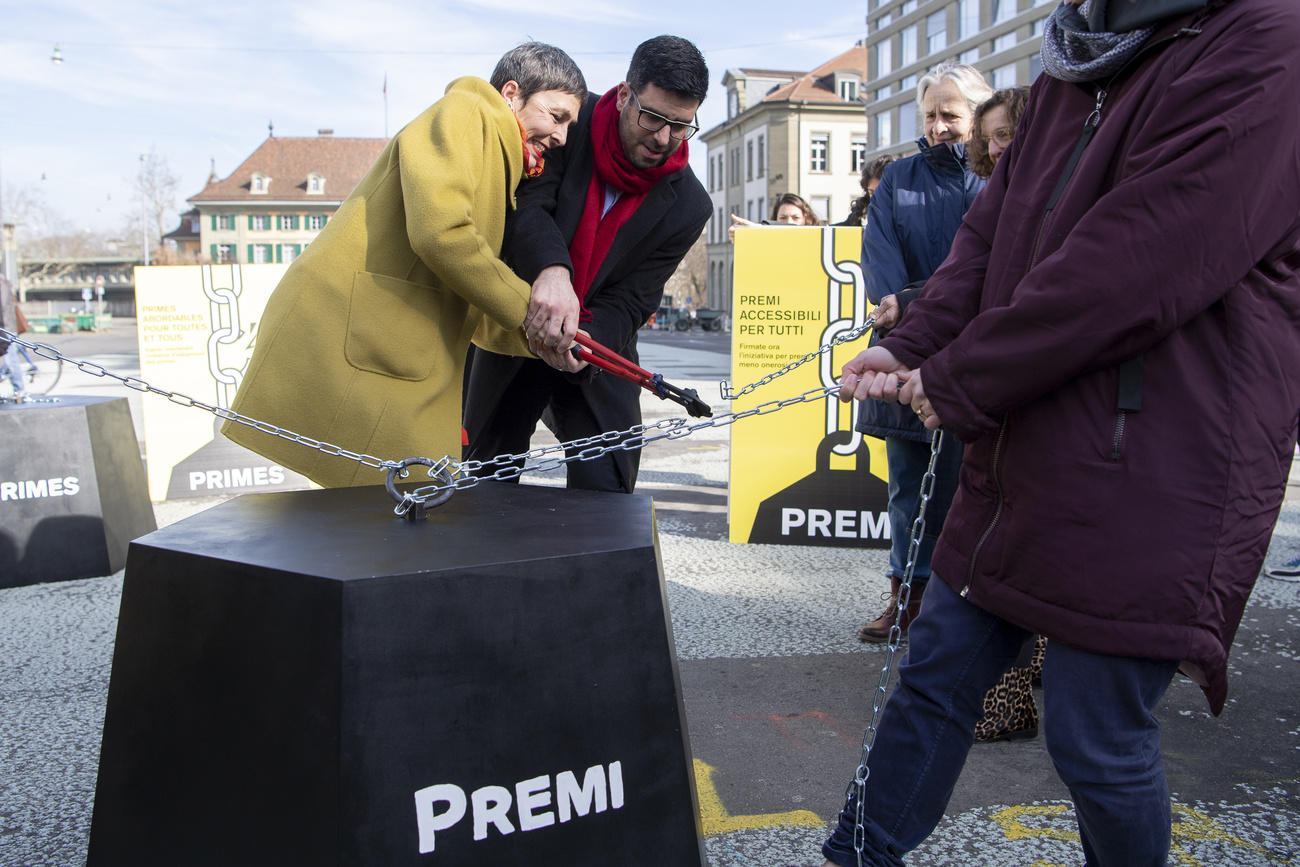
802, 475
196, 327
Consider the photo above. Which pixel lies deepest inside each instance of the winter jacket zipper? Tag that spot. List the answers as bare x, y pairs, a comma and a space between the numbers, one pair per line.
997, 511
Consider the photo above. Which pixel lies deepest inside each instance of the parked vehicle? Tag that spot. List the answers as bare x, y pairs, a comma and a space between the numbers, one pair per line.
686, 318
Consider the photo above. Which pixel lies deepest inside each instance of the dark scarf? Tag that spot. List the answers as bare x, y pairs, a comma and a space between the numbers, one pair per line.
595, 235
1072, 52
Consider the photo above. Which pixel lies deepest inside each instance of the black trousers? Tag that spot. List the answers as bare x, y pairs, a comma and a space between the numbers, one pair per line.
505, 397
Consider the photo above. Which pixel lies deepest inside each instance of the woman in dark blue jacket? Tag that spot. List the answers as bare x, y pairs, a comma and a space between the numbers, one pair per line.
911, 221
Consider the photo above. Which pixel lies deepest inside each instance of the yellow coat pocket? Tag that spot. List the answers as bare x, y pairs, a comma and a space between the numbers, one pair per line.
395, 327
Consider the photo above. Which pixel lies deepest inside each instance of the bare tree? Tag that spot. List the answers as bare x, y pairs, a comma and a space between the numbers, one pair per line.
691, 278
37, 223
155, 193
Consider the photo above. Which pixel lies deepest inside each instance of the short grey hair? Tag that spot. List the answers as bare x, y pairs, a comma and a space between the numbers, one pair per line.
536, 66
970, 82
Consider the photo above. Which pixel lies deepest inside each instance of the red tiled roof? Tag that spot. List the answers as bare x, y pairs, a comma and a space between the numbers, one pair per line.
342, 162
819, 85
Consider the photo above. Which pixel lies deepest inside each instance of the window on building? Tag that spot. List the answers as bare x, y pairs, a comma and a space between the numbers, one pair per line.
936, 32
288, 252
884, 57
969, 18
908, 6
907, 50
1004, 10
884, 129
223, 222
749, 210
749, 160
848, 89
884, 92
259, 222
260, 254
761, 209
821, 206
733, 104
259, 184
819, 147
857, 154
223, 254
1036, 29
316, 222
762, 155
1004, 42
884, 21
908, 83
1035, 66
287, 222
970, 56
1004, 77
315, 184
907, 121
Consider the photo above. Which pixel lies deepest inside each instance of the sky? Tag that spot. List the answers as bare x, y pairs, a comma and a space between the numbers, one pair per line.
197, 83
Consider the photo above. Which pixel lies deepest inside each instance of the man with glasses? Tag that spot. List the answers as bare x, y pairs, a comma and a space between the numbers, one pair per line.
597, 235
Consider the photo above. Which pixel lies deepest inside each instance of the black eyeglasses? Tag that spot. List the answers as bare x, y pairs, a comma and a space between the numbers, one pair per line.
652, 122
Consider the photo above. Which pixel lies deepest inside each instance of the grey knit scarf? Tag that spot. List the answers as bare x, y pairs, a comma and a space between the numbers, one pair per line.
1072, 53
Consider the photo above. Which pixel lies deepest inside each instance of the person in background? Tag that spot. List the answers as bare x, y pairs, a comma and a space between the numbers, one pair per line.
9, 350
911, 220
788, 210
1114, 336
363, 341
995, 127
871, 174
597, 235
1009, 709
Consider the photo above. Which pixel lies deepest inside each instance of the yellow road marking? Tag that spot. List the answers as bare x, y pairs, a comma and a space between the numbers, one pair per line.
1190, 828
715, 819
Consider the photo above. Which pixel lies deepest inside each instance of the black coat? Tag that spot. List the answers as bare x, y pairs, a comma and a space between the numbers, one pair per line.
630, 281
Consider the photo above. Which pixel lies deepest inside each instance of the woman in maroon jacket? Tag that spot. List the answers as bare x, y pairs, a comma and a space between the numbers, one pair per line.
1114, 336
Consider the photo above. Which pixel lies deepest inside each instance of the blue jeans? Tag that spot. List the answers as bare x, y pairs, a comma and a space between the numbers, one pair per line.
14, 369
1100, 733
908, 461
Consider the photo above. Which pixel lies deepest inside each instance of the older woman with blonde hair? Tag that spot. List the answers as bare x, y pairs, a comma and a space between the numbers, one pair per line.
911, 220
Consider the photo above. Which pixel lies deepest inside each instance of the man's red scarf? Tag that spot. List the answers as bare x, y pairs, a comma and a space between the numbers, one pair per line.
595, 235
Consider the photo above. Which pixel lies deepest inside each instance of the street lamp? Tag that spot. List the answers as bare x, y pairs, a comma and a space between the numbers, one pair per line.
144, 219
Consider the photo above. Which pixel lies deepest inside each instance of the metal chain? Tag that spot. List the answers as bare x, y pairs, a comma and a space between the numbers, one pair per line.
857, 788
460, 475
467, 474
136, 384
852, 334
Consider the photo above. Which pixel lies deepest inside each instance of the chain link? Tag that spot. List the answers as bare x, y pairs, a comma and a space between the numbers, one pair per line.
857, 788
852, 334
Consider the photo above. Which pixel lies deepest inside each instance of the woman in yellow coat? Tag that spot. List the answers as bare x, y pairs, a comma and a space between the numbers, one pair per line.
363, 342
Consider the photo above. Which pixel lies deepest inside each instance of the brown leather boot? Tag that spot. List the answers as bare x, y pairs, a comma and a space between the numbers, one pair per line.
877, 630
